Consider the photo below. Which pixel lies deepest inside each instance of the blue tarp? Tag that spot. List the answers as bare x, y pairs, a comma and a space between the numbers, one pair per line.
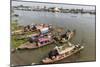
45, 30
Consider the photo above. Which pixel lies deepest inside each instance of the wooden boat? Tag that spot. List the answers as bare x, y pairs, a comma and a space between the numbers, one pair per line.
33, 28
64, 37
43, 42
17, 32
64, 54
69, 34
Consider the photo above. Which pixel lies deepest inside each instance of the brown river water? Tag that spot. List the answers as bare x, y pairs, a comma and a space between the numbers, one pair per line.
84, 24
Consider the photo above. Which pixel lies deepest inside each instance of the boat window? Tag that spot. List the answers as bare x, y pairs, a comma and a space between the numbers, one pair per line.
45, 41
41, 42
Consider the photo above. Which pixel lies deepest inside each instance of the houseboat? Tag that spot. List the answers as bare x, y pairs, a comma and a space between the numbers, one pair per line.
37, 42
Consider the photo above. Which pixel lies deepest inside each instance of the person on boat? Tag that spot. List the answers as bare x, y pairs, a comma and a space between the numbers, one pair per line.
49, 35
71, 34
68, 34
33, 27
55, 38
26, 28
64, 36
50, 27
53, 53
30, 40
77, 46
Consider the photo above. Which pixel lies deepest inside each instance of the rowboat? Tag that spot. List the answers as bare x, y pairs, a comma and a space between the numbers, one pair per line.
64, 54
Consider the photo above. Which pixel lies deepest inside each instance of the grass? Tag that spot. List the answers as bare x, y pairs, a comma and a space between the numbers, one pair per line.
14, 41
17, 40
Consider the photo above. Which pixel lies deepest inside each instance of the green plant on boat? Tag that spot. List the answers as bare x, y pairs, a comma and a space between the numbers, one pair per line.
15, 42
15, 26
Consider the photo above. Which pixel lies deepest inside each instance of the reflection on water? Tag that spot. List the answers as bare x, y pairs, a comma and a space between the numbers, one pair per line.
85, 35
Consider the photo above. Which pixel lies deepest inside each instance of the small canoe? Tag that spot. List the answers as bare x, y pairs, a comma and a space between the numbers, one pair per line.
62, 56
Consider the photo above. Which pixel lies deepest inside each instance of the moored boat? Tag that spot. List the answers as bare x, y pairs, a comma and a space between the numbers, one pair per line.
44, 36
64, 37
17, 32
37, 42
33, 46
68, 51
42, 28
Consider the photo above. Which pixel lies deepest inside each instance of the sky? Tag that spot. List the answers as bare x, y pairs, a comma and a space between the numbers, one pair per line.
65, 6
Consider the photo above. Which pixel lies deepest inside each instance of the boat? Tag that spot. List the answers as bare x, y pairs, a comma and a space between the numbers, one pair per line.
16, 15
68, 35
17, 32
42, 28
67, 52
33, 46
37, 42
41, 38
64, 37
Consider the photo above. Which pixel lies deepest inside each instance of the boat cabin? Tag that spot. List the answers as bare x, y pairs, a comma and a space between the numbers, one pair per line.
44, 30
33, 37
43, 41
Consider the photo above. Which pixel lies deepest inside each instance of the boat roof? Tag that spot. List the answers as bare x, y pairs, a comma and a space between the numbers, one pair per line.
43, 39
41, 26
35, 34
66, 50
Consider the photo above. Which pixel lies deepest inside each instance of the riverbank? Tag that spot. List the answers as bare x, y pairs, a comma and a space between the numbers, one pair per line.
52, 9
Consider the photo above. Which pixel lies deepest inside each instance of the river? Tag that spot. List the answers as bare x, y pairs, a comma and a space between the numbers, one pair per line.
84, 24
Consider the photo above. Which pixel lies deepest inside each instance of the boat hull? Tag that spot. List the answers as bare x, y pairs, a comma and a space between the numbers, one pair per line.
32, 46
60, 57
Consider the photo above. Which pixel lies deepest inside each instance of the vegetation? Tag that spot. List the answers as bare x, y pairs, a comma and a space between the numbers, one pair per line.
18, 39
15, 42
15, 25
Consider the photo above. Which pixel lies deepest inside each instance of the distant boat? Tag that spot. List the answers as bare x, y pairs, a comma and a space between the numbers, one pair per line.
73, 16
16, 15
